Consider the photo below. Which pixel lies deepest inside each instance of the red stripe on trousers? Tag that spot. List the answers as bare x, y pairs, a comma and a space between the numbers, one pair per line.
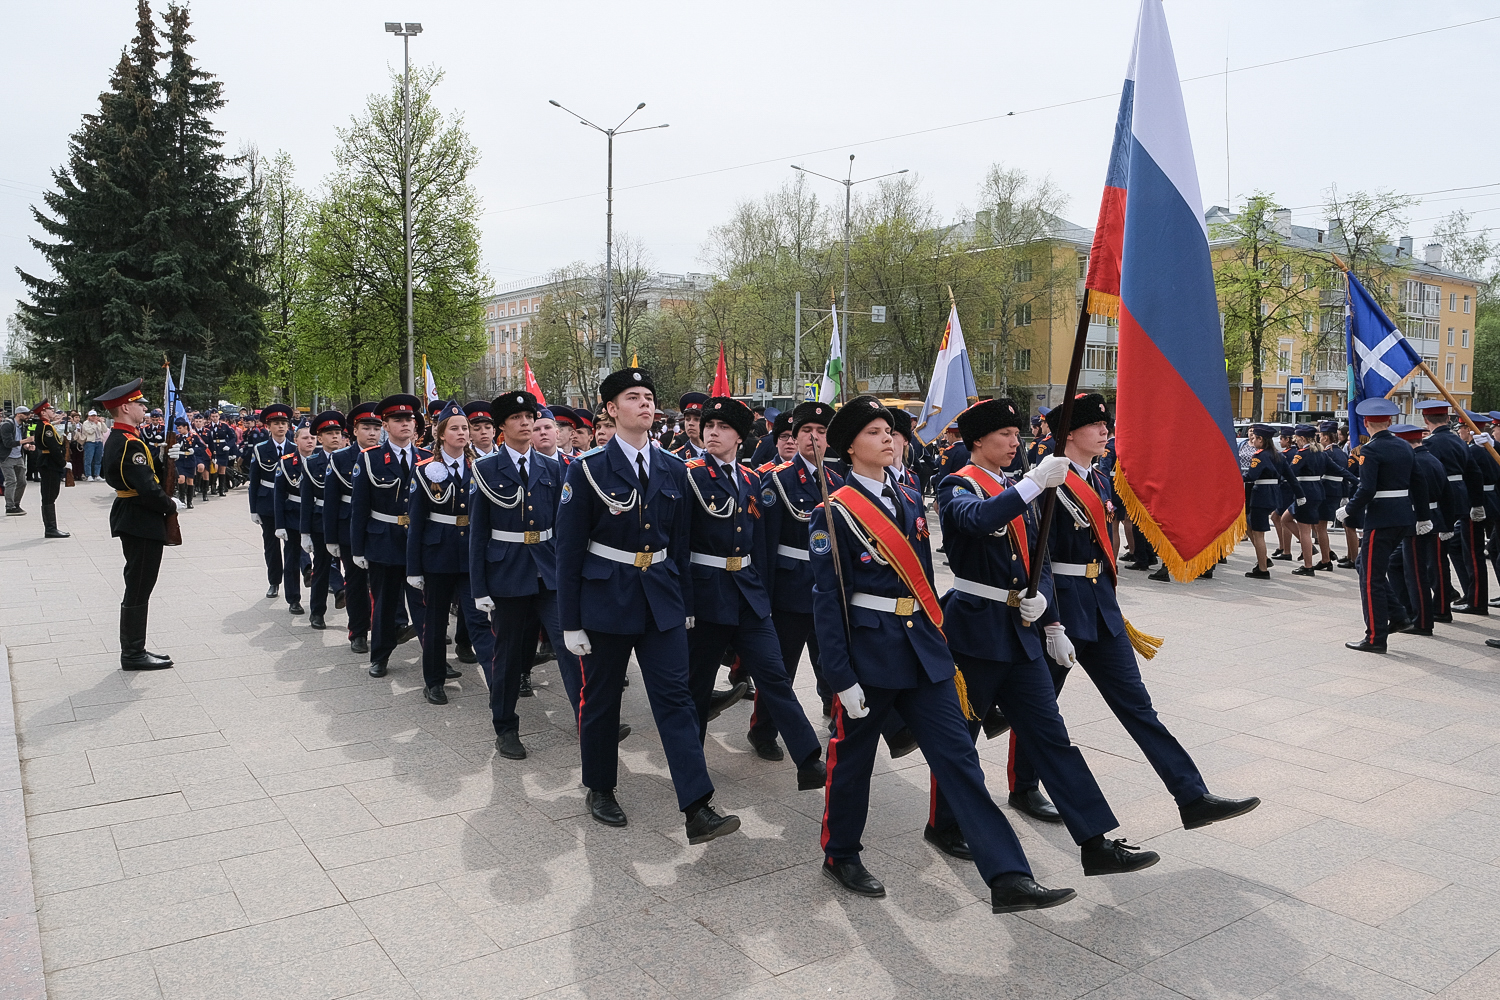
833, 760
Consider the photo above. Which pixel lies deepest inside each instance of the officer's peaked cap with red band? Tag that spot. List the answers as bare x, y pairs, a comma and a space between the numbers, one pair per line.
364, 413
402, 404
276, 411
328, 420
479, 410
130, 392
692, 402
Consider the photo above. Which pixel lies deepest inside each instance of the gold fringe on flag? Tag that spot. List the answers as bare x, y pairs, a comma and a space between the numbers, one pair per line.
1181, 569
1103, 304
1146, 645
963, 695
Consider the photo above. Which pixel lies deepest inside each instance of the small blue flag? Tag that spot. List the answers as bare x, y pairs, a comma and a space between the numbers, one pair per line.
1379, 355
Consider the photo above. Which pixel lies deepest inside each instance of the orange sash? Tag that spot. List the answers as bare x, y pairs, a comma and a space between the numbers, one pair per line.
895, 548
1094, 507
992, 488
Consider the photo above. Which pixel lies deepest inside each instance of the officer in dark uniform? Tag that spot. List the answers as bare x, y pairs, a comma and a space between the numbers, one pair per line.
328, 427
1041, 438
52, 465
286, 505
624, 584
1338, 481
221, 441
264, 460
1382, 507
1480, 477
378, 520
1462, 494
138, 519
689, 444
766, 450
1412, 570
338, 503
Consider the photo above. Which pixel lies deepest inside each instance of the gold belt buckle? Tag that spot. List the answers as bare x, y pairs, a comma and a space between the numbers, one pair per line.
403, 520
643, 560
906, 605
1091, 571
732, 563
1013, 599
531, 537
463, 520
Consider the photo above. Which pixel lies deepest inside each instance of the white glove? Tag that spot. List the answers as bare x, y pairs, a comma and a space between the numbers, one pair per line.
690, 621
1476, 513
281, 533
1446, 536
485, 604
1060, 647
577, 643
1340, 514
333, 549
255, 518
1483, 439
417, 582
180, 505
1424, 527
1032, 608
1050, 471
361, 562
307, 544
175, 451
68, 466
1301, 501
853, 701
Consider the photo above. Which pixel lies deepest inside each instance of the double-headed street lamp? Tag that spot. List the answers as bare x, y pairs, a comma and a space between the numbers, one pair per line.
609, 213
405, 32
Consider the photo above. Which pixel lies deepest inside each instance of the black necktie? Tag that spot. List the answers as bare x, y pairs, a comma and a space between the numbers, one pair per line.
890, 495
729, 475
454, 469
405, 467
524, 481
640, 470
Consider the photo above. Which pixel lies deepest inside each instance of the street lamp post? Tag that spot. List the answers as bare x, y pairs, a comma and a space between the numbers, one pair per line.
405, 32
848, 182
609, 213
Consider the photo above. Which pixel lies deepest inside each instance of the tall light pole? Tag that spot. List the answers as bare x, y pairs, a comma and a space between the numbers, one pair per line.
848, 182
405, 32
609, 213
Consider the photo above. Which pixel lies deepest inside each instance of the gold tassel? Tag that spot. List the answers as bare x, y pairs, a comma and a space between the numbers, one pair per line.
1103, 304
963, 694
1146, 645
1180, 568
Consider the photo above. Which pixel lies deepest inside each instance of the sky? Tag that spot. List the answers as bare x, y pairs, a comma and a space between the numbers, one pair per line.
941, 88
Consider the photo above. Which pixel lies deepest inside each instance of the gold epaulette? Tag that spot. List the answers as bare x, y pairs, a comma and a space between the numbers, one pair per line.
695, 463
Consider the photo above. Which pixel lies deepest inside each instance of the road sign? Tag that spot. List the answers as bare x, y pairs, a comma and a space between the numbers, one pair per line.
760, 385
877, 314
1341, 414
1294, 403
810, 391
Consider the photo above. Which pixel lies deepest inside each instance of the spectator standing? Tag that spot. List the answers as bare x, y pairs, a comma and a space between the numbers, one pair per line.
94, 431
14, 437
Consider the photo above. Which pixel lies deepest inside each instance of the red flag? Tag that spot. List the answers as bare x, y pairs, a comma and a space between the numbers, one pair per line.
721, 378
531, 385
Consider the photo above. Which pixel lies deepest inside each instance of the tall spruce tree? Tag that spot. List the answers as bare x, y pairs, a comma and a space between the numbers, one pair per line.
147, 246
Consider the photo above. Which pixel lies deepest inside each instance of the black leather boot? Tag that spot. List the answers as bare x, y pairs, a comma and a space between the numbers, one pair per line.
133, 654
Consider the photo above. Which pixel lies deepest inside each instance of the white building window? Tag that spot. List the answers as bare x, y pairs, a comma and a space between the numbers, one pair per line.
1453, 302
1466, 303
1465, 341
1450, 336
1463, 373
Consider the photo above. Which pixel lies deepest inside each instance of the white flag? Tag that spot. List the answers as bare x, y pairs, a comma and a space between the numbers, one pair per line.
833, 372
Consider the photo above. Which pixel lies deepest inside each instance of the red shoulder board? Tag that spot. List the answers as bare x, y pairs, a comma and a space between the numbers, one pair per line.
696, 463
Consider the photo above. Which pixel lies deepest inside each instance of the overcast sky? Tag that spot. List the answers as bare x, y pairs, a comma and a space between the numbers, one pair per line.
750, 88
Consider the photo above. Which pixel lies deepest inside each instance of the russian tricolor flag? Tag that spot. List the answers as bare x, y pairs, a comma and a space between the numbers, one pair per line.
1177, 470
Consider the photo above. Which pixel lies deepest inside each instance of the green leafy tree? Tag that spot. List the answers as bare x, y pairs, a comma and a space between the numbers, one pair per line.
1487, 357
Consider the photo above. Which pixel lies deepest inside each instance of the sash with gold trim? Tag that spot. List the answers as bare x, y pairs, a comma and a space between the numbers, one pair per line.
895, 548
1088, 498
992, 488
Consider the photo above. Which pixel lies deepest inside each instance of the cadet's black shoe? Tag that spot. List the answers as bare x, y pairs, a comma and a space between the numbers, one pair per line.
703, 825
1213, 809
812, 774
766, 749
1277, 554
1446, 618
1303, 571
827, 709
1400, 626
721, 700
359, 644
950, 842
544, 652
1114, 857
316, 621
466, 654
377, 669
624, 732
407, 634
143, 660
1495, 602
1208, 574
295, 609
1034, 804
995, 724
1161, 574
452, 672
508, 745
1324, 567
903, 743
1014, 892
340, 600
604, 808
1345, 564
526, 691
1365, 646
1283, 556
54, 533
1492, 643
1469, 609
307, 578
272, 591
1414, 630
1259, 574
435, 695
855, 877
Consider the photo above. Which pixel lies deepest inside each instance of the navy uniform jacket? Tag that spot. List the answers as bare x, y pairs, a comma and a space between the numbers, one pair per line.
314, 489
1262, 477
982, 549
1488, 474
378, 506
221, 442
1454, 454
253, 437
338, 495
865, 657
265, 460
601, 504
1338, 481
1428, 483
1290, 488
432, 544
727, 523
685, 450
286, 492
788, 495
1039, 449
1306, 467
1083, 602
499, 568
955, 457
1385, 464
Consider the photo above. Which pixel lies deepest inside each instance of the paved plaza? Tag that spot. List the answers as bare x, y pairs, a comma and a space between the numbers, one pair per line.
266, 820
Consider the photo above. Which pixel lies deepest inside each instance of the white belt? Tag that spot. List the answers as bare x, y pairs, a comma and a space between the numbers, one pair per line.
317, 502
640, 560
265, 487
294, 498
1489, 486
1089, 569
894, 605
524, 537
793, 552
1389, 494
1334, 479
1309, 479
460, 521
390, 518
1010, 597
347, 498
1265, 482
732, 563
1455, 479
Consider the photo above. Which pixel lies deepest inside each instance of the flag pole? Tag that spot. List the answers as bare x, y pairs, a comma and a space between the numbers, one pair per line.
1049, 499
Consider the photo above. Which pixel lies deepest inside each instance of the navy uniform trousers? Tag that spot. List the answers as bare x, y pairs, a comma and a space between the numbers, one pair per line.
515, 629
358, 600
1410, 575
387, 588
934, 716
755, 640
1025, 693
440, 593
1374, 587
325, 575
1110, 663
283, 559
672, 707
1474, 575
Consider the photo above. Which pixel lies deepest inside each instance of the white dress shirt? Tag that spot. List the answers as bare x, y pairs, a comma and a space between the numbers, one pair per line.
877, 487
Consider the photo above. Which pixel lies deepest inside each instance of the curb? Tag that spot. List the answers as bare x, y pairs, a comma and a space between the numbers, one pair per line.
20, 936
